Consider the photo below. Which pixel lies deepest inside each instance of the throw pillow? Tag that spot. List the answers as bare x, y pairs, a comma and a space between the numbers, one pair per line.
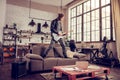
34, 56
70, 54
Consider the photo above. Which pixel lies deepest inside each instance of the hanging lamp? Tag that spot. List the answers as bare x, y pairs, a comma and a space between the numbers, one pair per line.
45, 25
31, 23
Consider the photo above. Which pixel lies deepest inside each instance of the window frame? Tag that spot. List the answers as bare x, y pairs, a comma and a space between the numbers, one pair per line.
99, 20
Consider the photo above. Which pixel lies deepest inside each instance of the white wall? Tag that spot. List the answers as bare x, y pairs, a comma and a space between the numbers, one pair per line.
20, 16
2, 16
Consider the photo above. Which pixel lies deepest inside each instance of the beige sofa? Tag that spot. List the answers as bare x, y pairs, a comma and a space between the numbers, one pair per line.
35, 61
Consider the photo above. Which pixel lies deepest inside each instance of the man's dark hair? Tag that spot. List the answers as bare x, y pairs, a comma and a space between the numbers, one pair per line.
60, 15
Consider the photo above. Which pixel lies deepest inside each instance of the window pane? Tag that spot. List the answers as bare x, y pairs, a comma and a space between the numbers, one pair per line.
84, 28
88, 17
97, 35
97, 14
88, 36
106, 11
79, 9
86, 6
85, 18
103, 12
79, 28
93, 36
103, 33
87, 26
79, 36
73, 12
104, 2
103, 23
97, 25
93, 25
94, 4
108, 33
107, 1
108, 22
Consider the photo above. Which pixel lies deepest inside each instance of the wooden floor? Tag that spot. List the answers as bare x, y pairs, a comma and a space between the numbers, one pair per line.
5, 74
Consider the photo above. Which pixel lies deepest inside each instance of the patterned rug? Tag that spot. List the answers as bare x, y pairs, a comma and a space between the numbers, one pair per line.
50, 76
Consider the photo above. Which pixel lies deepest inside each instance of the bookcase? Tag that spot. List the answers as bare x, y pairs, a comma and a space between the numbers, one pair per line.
9, 41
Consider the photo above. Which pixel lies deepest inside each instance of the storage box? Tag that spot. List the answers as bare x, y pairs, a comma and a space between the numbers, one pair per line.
18, 69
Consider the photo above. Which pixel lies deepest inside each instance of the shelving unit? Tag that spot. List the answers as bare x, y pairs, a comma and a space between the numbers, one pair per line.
9, 41
24, 34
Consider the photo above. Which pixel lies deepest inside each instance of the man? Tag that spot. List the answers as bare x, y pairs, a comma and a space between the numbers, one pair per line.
56, 34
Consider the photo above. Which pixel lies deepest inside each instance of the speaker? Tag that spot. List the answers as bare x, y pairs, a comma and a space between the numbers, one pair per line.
18, 69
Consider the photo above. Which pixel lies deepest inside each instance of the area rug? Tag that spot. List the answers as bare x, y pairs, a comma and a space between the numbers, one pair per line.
50, 76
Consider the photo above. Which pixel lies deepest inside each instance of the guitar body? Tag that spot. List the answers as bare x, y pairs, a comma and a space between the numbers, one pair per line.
57, 37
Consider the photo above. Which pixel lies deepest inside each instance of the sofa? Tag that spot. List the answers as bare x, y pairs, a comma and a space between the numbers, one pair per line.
35, 61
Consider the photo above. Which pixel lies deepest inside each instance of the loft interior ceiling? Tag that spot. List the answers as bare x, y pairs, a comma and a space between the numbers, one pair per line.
53, 2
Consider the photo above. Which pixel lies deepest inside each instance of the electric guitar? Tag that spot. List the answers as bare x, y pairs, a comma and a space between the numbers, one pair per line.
56, 37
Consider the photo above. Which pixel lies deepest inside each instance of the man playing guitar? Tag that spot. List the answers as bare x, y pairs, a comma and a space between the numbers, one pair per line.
57, 35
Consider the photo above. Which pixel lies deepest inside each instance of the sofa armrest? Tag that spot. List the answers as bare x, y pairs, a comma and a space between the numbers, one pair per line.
79, 55
34, 56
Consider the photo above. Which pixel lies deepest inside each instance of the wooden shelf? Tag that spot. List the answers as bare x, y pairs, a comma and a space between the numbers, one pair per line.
9, 41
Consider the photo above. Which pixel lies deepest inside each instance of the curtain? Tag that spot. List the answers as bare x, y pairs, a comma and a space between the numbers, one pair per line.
116, 20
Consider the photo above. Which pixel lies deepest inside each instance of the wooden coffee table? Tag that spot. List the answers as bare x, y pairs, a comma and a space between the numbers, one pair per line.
91, 72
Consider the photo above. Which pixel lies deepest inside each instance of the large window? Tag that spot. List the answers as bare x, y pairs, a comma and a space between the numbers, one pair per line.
91, 21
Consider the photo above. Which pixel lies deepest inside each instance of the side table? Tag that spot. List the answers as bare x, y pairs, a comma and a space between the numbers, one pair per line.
18, 69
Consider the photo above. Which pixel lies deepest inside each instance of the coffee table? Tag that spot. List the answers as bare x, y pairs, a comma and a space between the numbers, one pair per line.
91, 72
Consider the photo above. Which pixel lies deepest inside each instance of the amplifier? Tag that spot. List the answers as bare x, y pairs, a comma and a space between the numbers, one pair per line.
18, 69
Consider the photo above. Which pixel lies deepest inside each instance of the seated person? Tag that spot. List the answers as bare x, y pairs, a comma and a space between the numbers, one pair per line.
72, 45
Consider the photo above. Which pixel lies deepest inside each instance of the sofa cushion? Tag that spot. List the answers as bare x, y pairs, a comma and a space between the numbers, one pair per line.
50, 53
66, 61
34, 56
37, 49
49, 63
59, 51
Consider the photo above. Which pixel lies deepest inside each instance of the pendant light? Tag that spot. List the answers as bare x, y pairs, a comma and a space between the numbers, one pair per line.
45, 25
31, 23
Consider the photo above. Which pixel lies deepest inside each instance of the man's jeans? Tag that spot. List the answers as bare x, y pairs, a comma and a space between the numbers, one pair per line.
52, 46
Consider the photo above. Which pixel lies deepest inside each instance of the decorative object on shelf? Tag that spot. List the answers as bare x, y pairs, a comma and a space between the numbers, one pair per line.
6, 26
45, 25
39, 29
14, 25
42, 38
24, 34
